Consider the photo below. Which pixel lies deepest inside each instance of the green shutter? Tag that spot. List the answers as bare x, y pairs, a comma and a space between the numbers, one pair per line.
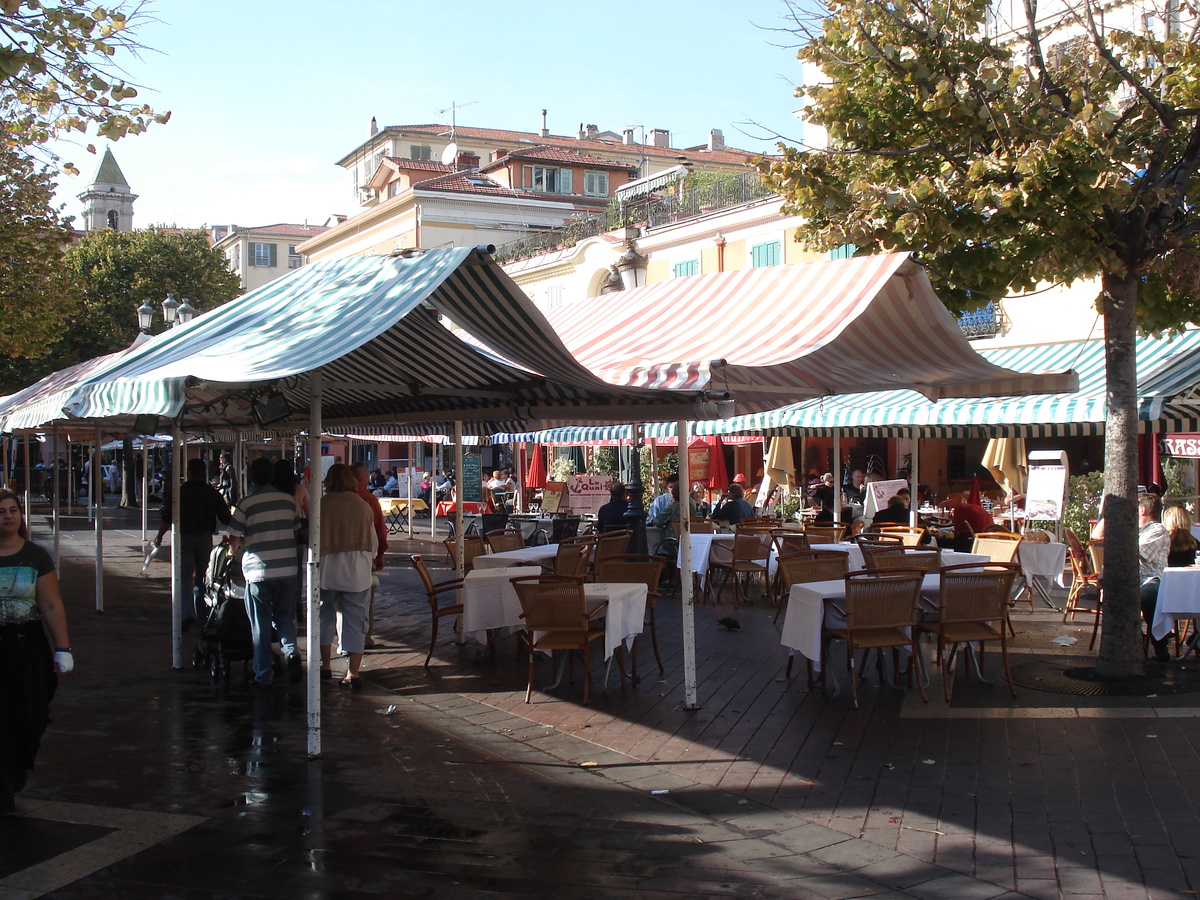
687, 267
273, 262
766, 254
564, 179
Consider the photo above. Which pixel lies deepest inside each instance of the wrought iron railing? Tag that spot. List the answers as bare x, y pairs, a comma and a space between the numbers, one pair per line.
985, 322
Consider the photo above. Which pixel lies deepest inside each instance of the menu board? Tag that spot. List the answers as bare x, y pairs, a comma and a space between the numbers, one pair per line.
878, 495
470, 481
1047, 487
552, 496
698, 460
587, 493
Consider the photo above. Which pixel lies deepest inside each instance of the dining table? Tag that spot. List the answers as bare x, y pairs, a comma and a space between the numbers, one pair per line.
1042, 564
856, 560
1178, 598
539, 555
395, 512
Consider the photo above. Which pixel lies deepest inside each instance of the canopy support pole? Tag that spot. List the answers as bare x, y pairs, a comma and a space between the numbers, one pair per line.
437, 464
176, 549
412, 473
312, 595
56, 476
519, 463
97, 486
145, 487
460, 563
28, 476
635, 513
914, 479
837, 479
687, 598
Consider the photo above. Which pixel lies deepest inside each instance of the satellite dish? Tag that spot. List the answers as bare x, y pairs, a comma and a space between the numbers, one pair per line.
450, 153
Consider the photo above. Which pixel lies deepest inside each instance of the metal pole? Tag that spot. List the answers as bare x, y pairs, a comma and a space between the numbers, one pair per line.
97, 485
56, 476
412, 467
914, 479
436, 459
145, 487
28, 475
460, 564
313, 593
176, 549
635, 513
837, 479
519, 463
687, 598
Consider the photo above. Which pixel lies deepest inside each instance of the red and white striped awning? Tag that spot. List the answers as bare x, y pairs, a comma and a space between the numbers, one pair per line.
772, 335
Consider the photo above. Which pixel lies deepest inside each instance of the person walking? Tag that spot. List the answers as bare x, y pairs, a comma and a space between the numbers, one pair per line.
202, 510
264, 525
34, 647
227, 480
348, 554
363, 490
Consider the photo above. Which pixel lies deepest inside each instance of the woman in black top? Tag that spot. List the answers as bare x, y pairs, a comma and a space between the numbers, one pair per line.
1178, 523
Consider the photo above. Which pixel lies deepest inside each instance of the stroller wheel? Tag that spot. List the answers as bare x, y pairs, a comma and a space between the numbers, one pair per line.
214, 667
198, 659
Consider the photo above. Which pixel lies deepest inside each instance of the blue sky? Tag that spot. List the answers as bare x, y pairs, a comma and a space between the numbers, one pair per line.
266, 96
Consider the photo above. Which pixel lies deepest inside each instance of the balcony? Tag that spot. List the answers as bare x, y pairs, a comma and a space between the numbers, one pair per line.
985, 322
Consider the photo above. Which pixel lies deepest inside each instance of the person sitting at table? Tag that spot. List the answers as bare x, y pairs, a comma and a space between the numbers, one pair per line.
1178, 522
391, 487
700, 497
611, 516
896, 512
824, 514
659, 503
1154, 543
671, 510
733, 506
823, 491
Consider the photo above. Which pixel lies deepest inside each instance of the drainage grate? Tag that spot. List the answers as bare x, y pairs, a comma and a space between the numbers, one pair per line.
1077, 675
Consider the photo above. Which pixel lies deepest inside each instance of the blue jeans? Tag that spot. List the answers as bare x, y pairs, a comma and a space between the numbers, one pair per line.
271, 602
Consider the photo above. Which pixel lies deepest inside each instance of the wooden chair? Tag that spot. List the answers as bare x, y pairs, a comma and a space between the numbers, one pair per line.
557, 618
572, 559
751, 556
473, 546
610, 543
633, 568
1095, 549
433, 591
504, 539
973, 608
925, 559
910, 535
881, 610
1083, 576
825, 534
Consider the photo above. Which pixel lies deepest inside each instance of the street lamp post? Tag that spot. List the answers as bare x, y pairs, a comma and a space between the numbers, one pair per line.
174, 313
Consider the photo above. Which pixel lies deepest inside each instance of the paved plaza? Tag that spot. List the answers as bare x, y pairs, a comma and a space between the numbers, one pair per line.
442, 782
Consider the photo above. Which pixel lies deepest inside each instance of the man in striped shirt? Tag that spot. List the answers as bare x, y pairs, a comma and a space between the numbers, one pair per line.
265, 525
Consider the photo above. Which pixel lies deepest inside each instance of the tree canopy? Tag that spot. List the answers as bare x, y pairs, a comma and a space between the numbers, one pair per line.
57, 75
1058, 147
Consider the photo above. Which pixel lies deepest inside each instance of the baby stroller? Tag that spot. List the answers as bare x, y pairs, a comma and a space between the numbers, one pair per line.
225, 635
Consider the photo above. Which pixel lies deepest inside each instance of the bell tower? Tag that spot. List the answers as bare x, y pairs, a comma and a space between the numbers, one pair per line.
108, 201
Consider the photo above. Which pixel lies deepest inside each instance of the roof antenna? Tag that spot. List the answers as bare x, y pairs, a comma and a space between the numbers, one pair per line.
453, 109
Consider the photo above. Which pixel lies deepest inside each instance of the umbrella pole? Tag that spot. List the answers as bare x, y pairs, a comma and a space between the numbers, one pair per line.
28, 475
412, 469
460, 563
686, 582
176, 550
313, 593
145, 487
438, 463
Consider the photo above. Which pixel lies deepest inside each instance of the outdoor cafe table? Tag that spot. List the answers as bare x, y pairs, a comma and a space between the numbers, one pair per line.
543, 554
395, 512
1044, 561
856, 560
1178, 598
490, 601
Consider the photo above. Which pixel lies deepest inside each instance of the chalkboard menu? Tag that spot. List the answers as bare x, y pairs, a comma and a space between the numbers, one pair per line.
470, 480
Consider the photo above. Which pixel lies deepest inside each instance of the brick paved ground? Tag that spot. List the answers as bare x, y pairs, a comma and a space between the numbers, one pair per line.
465, 790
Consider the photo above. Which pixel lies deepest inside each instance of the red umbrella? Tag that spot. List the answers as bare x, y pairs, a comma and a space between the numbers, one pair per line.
976, 494
535, 475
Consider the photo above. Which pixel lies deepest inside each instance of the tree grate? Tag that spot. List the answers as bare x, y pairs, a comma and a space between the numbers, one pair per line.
1077, 675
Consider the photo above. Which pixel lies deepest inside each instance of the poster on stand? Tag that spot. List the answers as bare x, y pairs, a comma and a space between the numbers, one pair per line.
878, 493
1047, 490
554, 497
587, 493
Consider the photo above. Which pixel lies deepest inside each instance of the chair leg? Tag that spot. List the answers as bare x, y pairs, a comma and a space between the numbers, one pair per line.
654, 641
1004, 659
633, 656
913, 662
948, 673
1096, 621
620, 666
432, 641
853, 673
587, 670
529, 686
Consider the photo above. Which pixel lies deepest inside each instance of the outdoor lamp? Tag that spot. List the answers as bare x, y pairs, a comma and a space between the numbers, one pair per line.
186, 311
145, 314
170, 309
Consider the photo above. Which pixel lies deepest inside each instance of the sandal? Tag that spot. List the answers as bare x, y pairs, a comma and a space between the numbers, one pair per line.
355, 684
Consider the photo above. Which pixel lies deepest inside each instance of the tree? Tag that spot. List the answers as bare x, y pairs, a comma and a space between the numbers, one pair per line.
55, 72
1065, 149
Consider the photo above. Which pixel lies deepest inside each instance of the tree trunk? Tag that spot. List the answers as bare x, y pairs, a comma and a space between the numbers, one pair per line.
1121, 643
129, 479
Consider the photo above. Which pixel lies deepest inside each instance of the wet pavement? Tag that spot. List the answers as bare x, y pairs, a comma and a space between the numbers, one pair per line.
442, 782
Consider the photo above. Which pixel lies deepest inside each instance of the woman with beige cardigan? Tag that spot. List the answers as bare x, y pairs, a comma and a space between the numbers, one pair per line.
348, 545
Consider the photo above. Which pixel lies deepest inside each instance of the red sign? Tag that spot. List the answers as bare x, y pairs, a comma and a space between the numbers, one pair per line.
1186, 446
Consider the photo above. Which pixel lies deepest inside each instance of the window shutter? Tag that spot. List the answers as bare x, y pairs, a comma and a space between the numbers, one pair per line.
564, 180
272, 253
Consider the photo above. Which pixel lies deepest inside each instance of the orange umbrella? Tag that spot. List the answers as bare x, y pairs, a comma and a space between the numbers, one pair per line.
535, 474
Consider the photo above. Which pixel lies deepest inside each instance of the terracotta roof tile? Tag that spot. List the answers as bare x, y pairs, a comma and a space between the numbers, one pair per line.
417, 165
468, 182
562, 154
284, 230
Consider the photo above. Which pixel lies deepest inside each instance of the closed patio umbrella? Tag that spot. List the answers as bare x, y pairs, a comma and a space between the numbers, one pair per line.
535, 475
976, 495
781, 468
1005, 459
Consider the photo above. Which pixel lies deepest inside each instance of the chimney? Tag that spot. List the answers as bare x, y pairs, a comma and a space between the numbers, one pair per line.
592, 131
373, 129
660, 137
716, 140
467, 161
628, 139
499, 154
545, 130
580, 134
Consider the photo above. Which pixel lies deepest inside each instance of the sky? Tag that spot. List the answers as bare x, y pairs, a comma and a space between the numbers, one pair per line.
266, 96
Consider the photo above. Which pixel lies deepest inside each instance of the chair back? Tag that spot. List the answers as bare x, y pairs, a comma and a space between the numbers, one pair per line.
426, 578
927, 560
974, 593
699, 526
552, 603
788, 541
572, 558
752, 547
492, 521
825, 534
611, 543
997, 546
631, 568
877, 539
910, 535
1078, 553
759, 525
473, 546
882, 598
805, 566
563, 527
504, 539
1095, 551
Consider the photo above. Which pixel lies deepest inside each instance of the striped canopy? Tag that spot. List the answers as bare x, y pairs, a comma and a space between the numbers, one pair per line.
375, 326
775, 334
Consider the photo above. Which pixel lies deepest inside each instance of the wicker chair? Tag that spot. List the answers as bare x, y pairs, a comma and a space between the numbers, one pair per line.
633, 568
473, 546
1083, 576
433, 591
751, 556
805, 567
557, 618
925, 559
504, 539
572, 558
825, 534
973, 608
610, 543
910, 535
881, 610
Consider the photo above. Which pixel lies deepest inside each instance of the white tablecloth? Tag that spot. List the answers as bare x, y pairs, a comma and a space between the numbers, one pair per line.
1178, 598
626, 613
489, 600
855, 559
542, 555
1043, 560
806, 604
706, 547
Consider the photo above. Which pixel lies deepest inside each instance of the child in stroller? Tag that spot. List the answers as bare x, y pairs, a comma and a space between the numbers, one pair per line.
225, 633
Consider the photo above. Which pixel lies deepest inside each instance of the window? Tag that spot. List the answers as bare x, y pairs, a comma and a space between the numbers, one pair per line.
264, 255
595, 184
235, 257
687, 267
113, 219
548, 179
294, 258
395, 188
765, 254
419, 151
846, 251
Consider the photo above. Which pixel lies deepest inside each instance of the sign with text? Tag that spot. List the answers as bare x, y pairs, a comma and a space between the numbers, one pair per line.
1180, 446
698, 460
1047, 489
553, 497
470, 482
878, 494
587, 493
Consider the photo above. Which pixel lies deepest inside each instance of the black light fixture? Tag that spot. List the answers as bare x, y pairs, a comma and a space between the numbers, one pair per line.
271, 407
